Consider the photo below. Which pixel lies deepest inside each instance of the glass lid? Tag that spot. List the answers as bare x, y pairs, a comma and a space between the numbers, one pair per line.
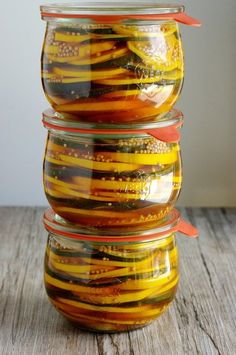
166, 129
111, 8
67, 120
170, 224
113, 12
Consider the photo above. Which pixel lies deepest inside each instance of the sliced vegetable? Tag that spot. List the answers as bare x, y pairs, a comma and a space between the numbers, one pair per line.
160, 56
146, 31
89, 75
112, 286
104, 57
102, 106
73, 91
166, 76
122, 185
77, 38
90, 164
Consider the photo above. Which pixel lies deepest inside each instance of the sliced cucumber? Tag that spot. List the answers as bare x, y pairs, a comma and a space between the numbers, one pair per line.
121, 62
74, 91
89, 29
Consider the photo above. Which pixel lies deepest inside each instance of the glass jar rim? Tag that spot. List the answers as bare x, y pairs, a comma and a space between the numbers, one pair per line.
114, 8
166, 129
101, 12
172, 223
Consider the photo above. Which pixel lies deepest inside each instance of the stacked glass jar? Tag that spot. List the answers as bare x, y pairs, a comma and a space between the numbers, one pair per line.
112, 168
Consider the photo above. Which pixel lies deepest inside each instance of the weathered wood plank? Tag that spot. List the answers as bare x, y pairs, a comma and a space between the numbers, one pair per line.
202, 320
207, 267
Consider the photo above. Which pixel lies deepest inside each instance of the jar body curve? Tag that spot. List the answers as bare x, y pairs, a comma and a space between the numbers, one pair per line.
112, 73
111, 287
121, 183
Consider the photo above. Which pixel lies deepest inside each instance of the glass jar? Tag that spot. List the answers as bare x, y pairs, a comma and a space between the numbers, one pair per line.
122, 179
113, 64
116, 283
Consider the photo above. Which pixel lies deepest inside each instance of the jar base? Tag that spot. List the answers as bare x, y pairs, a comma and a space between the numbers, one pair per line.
106, 331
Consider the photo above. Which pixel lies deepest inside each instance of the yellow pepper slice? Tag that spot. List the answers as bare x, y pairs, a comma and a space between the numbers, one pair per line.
90, 49
60, 182
93, 59
108, 197
131, 285
97, 272
95, 184
121, 298
116, 273
146, 195
68, 59
104, 57
103, 263
62, 37
54, 193
172, 75
167, 288
137, 265
156, 92
145, 31
149, 311
77, 317
102, 106
90, 164
56, 161
127, 217
63, 192
161, 282
55, 148
90, 75
78, 38
46, 75
164, 56
85, 51
83, 269
87, 184
161, 243
143, 159
52, 49
76, 194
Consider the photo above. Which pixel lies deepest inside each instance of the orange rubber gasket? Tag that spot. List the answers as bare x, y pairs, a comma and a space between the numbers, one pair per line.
168, 134
180, 226
181, 17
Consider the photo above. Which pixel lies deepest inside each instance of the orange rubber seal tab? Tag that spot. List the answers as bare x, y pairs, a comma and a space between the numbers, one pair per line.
187, 229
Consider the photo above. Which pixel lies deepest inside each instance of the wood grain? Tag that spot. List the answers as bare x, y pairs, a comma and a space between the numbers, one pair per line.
202, 320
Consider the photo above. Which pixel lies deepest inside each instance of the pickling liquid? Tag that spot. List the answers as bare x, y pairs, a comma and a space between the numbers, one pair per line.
114, 287
113, 73
126, 184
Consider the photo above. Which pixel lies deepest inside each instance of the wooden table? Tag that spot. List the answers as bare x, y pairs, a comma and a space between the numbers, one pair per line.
202, 319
